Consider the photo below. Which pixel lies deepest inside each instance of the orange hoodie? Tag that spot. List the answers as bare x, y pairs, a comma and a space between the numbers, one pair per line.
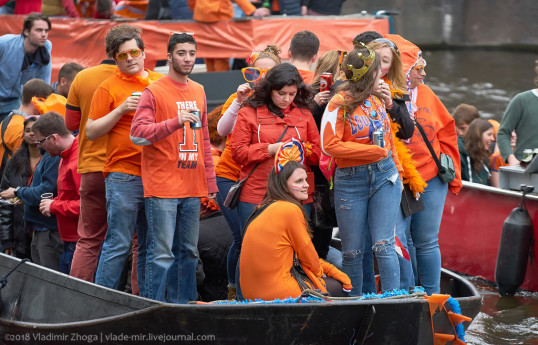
437, 122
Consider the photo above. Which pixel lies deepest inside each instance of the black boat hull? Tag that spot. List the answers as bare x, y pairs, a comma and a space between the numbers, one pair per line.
43, 306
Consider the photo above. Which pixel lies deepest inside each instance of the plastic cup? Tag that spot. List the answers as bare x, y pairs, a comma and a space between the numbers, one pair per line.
47, 196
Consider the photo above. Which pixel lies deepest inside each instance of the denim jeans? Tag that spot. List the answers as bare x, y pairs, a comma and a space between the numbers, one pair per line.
407, 277
367, 198
173, 228
245, 209
369, 284
125, 213
179, 9
423, 231
67, 257
232, 218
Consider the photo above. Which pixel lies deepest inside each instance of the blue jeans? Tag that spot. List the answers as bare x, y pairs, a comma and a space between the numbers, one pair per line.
232, 218
422, 233
245, 209
179, 9
369, 284
367, 199
334, 256
407, 277
67, 257
173, 228
125, 213
8, 105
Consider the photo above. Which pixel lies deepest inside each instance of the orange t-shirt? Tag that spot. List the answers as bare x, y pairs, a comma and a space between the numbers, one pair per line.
227, 167
121, 154
267, 253
307, 75
176, 160
91, 154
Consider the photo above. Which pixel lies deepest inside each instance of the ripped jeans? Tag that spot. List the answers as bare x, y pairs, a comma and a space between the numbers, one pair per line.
367, 198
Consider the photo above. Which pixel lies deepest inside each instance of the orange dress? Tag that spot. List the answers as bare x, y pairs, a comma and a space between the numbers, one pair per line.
267, 255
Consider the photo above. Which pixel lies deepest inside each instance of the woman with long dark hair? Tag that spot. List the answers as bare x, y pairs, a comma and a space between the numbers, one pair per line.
18, 173
277, 111
475, 157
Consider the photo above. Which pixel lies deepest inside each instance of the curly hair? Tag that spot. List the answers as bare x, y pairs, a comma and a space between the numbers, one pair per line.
212, 120
278, 77
474, 144
272, 51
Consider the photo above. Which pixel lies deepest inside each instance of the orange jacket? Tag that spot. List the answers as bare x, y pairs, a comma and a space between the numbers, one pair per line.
210, 11
254, 130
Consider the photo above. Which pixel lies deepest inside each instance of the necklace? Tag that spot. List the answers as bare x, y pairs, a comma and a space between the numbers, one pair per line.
368, 107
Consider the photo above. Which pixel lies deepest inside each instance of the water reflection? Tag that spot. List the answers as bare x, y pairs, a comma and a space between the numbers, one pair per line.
504, 320
487, 79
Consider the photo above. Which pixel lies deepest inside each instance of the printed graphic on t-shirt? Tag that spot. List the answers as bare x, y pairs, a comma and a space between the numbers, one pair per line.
188, 147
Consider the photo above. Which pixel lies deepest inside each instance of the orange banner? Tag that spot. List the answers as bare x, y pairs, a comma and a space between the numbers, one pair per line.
82, 41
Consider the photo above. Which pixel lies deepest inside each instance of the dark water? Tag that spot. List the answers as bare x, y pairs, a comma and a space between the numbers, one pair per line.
485, 79
488, 80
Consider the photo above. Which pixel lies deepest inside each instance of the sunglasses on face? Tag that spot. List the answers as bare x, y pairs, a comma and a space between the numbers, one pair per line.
419, 69
251, 74
132, 53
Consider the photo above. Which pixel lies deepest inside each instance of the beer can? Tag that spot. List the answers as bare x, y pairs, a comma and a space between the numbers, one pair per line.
378, 138
197, 124
136, 94
325, 81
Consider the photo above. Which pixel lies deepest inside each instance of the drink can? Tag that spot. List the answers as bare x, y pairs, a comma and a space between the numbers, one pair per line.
378, 138
325, 81
197, 124
136, 94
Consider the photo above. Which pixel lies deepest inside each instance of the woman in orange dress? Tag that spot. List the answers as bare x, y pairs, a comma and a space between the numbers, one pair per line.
278, 232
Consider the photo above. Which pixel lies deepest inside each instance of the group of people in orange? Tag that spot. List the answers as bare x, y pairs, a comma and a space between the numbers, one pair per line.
360, 136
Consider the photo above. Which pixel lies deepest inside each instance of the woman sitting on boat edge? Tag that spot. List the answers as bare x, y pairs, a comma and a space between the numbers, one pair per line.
277, 234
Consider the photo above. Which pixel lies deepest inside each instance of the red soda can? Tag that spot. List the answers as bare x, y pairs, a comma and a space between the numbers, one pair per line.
325, 81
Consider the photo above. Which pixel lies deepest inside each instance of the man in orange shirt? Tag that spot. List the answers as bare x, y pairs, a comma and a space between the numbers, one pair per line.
177, 170
112, 109
303, 53
91, 161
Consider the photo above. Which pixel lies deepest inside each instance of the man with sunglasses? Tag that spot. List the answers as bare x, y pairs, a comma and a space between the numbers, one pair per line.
177, 170
91, 160
111, 112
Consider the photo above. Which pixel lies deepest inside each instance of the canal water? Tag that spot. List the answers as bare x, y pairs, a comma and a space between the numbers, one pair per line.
488, 80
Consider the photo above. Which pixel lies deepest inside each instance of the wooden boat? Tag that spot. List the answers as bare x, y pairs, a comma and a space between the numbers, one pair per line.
471, 230
39, 305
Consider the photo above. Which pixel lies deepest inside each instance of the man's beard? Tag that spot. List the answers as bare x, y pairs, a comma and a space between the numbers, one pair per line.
177, 68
